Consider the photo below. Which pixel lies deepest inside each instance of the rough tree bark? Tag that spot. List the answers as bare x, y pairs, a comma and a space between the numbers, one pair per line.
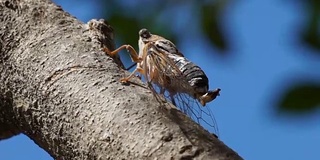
61, 90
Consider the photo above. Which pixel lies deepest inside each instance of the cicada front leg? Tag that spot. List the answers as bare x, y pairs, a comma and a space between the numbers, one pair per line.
134, 57
133, 54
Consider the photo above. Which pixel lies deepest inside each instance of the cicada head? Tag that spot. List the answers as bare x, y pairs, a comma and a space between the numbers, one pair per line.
144, 36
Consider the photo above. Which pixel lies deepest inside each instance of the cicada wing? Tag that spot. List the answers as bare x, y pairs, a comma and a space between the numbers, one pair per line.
170, 83
168, 73
192, 108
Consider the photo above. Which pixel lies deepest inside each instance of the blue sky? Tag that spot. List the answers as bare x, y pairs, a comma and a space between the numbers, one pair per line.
265, 58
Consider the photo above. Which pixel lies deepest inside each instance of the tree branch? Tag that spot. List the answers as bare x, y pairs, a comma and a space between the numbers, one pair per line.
62, 91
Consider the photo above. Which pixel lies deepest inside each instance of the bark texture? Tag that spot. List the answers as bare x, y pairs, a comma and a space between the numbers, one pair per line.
61, 90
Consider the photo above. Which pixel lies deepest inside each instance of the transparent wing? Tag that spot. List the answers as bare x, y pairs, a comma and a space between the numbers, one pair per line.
167, 80
192, 108
165, 73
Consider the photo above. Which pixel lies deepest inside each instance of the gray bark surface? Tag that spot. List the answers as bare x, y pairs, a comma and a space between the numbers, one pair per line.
58, 88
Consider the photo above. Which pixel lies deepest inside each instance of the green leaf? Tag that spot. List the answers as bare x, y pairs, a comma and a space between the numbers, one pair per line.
301, 98
210, 14
125, 27
311, 33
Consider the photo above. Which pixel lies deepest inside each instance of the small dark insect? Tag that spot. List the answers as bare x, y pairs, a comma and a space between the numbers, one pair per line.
170, 74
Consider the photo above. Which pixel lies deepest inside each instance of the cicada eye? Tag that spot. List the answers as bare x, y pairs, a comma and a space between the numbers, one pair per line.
144, 33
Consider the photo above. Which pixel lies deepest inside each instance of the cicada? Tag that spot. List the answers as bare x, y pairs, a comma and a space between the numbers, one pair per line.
170, 74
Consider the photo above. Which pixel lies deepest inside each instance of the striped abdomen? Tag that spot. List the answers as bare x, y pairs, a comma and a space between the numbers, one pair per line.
193, 74
193, 80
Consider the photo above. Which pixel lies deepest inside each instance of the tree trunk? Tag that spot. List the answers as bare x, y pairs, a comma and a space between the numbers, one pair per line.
62, 91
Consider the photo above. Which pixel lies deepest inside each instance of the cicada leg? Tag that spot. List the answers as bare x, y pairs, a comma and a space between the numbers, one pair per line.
133, 54
134, 57
126, 79
209, 96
